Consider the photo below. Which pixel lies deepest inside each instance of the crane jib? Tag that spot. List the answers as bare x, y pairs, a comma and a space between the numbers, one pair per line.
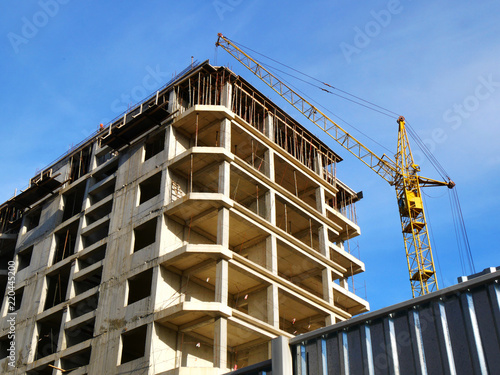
400, 173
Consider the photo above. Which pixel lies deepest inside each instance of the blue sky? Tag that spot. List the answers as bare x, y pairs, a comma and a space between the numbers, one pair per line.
69, 65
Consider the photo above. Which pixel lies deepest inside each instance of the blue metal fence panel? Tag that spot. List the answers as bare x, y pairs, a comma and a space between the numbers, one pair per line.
453, 331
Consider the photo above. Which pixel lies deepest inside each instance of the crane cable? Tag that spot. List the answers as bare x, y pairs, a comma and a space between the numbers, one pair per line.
326, 109
356, 100
462, 237
427, 153
269, 67
459, 223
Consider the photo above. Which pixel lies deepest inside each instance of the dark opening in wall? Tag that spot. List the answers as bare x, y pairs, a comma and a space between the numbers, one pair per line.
88, 281
95, 235
10, 219
57, 285
42, 370
99, 212
154, 145
24, 258
92, 257
133, 344
65, 242
80, 163
3, 285
18, 299
145, 235
76, 360
150, 188
7, 249
103, 157
4, 346
48, 335
80, 333
105, 172
73, 201
33, 219
83, 307
139, 286
102, 191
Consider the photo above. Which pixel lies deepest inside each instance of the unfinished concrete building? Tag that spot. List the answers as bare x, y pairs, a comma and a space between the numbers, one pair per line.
180, 239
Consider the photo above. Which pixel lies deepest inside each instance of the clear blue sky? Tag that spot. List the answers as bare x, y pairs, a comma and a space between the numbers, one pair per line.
69, 65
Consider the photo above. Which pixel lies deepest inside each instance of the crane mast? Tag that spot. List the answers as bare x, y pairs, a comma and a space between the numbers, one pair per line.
402, 173
413, 224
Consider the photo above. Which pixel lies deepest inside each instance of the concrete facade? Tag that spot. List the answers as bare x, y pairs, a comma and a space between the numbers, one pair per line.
181, 239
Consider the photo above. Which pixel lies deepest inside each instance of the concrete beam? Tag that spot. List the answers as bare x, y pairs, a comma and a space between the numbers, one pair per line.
201, 322
209, 263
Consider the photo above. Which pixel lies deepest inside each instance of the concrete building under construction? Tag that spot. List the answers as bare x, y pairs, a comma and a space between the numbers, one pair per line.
180, 239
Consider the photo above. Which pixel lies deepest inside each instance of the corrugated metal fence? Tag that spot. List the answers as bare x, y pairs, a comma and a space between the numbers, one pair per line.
452, 331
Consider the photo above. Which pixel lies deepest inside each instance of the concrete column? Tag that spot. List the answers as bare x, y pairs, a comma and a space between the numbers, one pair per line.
178, 351
269, 127
93, 161
170, 142
324, 248
220, 343
321, 200
273, 308
227, 94
328, 295
281, 356
273, 313
269, 164
328, 286
324, 242
319, 165
225, 134
344, 283
330, 320
270, 202
221, 279
172, 101
272, 254
223, 227
224, 178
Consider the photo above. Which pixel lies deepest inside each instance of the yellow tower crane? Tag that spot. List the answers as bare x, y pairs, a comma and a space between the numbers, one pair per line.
402, 173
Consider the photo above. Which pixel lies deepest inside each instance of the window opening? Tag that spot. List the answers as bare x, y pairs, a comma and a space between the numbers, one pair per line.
145, 235
139, 286
133, 344
150, 188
